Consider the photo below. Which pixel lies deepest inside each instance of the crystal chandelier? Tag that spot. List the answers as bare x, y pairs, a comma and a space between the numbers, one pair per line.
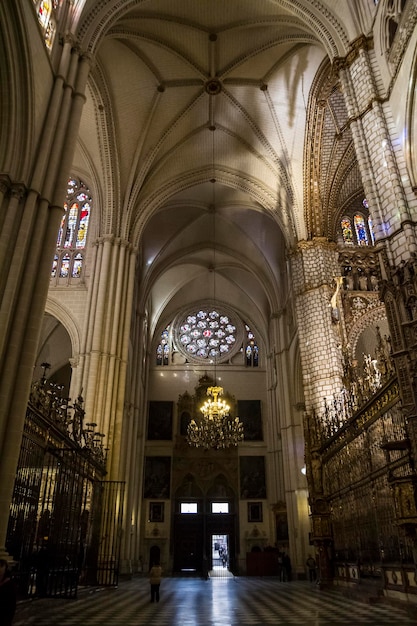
216, 429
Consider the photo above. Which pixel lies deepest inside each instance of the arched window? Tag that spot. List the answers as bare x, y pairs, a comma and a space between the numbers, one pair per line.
72, 234
163, 348
360, 228
347, 232
356, 226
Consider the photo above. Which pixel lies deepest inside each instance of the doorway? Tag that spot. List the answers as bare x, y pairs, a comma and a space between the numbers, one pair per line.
220, 552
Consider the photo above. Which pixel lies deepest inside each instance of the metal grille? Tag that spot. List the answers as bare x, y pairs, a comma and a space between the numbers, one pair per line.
357, 484
65, 521
102, 559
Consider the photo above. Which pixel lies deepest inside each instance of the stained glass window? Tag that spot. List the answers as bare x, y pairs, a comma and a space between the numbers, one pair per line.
207, 334
163, 348
360, 229
252, 350
357, 228
347, 232
65, 264
54, 266
72, 233
46, 11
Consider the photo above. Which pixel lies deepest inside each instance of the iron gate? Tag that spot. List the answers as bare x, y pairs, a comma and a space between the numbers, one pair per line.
65, 520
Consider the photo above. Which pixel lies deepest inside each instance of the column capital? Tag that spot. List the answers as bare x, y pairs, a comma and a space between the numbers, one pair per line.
363, 42
314, 243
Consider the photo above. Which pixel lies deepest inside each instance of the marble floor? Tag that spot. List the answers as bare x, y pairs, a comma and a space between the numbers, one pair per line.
214, 602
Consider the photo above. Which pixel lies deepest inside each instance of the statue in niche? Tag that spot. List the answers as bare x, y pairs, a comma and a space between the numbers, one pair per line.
316, 471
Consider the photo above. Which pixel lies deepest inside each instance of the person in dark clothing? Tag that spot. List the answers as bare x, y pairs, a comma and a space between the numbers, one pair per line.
286, 567
7, 595
312, 568
42, 570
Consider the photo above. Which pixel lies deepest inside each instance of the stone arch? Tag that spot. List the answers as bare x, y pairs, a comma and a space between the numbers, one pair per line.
62, 314
374, 314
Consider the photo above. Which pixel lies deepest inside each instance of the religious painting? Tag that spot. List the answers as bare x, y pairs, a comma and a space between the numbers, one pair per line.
157, 477
249, 412
252, 477
160, 421
156, 511
255, 512
281, 525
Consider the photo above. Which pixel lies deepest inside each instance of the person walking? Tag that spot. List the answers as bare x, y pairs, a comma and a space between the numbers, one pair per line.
7, 595
312, 568
155, 576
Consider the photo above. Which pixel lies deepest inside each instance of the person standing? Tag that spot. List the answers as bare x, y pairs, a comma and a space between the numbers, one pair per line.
7, 595
312, 568
155, 576
286, 567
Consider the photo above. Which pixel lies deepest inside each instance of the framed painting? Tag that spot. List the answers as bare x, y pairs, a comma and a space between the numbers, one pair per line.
156, 511
254, 511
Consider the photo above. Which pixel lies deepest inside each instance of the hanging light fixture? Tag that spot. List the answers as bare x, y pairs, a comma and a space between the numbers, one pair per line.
215, 429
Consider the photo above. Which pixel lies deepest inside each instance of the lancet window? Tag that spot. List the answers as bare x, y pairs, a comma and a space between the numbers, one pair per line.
163, 348
357, 228
72, 235
252, 350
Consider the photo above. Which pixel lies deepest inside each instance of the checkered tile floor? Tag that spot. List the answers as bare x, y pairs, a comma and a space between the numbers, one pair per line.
214, 602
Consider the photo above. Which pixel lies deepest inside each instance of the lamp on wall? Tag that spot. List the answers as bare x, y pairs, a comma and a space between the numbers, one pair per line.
215, 428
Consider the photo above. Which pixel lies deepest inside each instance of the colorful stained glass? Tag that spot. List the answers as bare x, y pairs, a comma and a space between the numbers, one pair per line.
207, 333
72, 234
163, 349
71, 226
65, 265
371, 230
83, 225
347, 232
77, 266
54, 267
251, 351
44, 12
61, 228
50, 34
360, 229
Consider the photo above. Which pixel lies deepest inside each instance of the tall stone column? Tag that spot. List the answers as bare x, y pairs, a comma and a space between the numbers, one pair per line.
285, 435
101, 372
133, 443
32, 212
314, 270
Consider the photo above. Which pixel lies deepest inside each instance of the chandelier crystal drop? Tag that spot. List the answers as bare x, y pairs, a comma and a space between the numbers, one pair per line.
216, 429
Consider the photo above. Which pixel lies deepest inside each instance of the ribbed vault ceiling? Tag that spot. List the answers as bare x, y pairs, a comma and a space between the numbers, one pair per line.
193, 139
